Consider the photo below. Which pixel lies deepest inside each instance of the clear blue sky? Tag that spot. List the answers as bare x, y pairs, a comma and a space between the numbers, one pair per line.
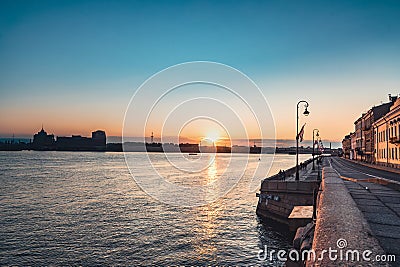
73, 65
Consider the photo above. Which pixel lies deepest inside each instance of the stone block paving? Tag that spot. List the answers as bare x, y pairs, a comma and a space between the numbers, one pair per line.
307, 174
380, 206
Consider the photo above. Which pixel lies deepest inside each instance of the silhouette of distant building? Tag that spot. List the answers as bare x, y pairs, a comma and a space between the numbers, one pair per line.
80, 143
154, 147
99, 138
189, 148
43, 141
255, 149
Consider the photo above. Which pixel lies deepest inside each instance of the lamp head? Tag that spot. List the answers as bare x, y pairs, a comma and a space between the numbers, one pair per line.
317, 134
306, 112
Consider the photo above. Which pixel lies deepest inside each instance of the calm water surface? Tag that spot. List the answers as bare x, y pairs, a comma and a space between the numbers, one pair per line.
73, 208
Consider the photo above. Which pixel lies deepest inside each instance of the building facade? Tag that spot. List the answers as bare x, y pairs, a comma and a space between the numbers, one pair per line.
374, 114
359, 139
364, 147
346, 146
353, 144
387, 136
366, 138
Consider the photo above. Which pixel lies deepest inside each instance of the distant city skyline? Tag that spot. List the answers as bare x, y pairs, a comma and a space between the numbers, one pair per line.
183, 139
74, 65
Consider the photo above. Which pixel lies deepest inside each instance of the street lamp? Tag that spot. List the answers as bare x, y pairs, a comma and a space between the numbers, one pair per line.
313, 145
318, 162
306, 113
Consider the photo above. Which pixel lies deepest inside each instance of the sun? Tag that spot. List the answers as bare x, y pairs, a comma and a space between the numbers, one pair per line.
213, 136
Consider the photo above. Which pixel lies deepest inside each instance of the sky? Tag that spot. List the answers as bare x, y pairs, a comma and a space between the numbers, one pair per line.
73, 66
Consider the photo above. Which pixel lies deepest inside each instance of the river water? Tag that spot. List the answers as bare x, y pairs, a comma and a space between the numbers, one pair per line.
83, 208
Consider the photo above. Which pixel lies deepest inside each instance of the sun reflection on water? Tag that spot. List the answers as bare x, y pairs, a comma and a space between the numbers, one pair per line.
212, 170
208, 219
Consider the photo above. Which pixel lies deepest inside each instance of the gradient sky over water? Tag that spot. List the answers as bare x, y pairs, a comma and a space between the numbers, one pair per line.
74, 65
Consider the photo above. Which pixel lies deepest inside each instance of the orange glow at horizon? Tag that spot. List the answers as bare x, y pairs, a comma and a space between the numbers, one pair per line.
194, 134
26, 123
206, 132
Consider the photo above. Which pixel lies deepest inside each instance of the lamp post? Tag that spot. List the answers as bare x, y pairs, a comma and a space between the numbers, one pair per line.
306, 112
318, 162
313, 145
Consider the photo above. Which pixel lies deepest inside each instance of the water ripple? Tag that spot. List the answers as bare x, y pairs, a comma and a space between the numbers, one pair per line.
61, 208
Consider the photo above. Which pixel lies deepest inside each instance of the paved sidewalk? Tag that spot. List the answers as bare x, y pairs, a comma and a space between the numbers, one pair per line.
308, 174
380, 206
378, 203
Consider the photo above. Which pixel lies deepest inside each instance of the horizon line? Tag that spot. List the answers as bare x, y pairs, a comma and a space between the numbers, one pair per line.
30, 136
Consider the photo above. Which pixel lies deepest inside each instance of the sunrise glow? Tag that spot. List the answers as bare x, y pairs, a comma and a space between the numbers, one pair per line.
213, 136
